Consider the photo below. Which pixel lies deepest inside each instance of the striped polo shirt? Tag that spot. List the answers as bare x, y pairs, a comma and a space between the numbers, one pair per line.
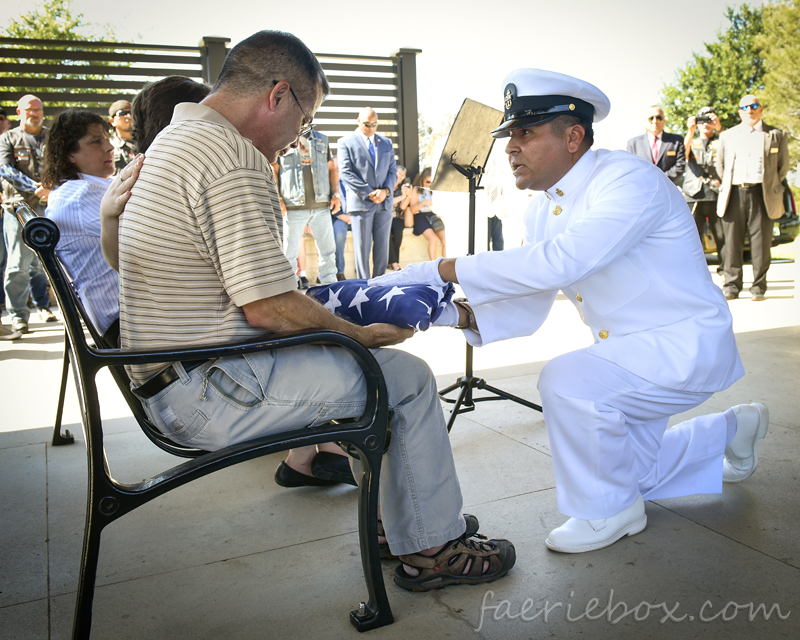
200, 237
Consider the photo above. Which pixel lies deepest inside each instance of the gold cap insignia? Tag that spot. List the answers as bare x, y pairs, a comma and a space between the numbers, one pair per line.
509, 99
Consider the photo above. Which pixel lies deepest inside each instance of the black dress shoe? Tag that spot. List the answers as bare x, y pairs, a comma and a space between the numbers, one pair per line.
333, 468
285, 476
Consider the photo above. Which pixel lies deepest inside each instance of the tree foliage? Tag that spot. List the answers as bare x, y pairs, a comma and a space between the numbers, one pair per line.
730, 68
780, 47
54, 21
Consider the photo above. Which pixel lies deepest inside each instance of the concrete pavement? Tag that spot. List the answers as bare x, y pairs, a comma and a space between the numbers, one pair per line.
235, 556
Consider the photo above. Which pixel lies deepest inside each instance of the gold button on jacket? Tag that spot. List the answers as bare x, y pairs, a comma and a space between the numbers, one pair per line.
603, 334
556, 210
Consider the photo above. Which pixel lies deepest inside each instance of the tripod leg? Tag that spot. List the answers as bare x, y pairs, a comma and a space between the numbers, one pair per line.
509, 396
464, 395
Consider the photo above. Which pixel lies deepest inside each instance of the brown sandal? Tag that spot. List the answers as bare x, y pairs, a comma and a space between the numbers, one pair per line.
447, 566
472, 530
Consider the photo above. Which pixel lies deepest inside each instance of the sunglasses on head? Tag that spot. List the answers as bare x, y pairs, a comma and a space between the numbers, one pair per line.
659, 118
752, 107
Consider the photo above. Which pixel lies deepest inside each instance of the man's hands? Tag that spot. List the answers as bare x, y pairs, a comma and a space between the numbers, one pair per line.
378, 196
417, 273
293, 311
112, 206
384, 335
336, 204
42, 193
345, 218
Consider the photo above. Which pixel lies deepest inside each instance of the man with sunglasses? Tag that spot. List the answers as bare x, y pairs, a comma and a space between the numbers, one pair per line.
665, 150
119, 115
369, 173
753, 160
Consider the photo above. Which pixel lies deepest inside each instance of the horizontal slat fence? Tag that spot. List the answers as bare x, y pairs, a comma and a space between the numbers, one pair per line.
92, 75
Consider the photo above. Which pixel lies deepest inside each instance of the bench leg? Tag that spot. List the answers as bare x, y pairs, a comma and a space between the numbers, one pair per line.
377, 612
67, 438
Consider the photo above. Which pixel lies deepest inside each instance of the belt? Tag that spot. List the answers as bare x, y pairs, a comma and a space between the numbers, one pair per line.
748, 185
162, 380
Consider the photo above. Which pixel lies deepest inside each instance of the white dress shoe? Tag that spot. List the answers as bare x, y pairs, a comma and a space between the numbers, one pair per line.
577, 536
741, 455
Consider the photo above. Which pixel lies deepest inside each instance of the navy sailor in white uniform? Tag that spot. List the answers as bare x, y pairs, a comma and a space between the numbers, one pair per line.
614, 235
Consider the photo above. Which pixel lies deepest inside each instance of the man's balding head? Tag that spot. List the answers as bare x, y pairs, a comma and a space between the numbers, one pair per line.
367, 121
750, 110
31, 113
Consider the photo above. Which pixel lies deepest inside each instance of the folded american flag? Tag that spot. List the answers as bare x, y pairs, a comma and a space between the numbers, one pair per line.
409, 306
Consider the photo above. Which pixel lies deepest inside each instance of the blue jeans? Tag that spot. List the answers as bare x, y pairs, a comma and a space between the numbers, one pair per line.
24, 274
235, 399
340, 229
320, 222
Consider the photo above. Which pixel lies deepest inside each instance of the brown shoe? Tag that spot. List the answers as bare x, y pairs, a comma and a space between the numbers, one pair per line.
461, 561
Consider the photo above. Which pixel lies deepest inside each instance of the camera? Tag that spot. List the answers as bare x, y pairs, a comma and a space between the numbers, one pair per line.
702, 120
407, 182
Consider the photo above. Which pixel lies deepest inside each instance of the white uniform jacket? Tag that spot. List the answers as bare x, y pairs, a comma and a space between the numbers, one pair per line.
617, 238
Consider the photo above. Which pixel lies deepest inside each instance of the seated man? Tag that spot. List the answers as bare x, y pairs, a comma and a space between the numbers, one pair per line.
202, 233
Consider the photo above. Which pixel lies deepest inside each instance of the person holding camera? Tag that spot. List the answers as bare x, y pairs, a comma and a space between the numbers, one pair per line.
701, 182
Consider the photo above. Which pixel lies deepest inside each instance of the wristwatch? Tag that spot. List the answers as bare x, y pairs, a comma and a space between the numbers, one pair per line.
388, 192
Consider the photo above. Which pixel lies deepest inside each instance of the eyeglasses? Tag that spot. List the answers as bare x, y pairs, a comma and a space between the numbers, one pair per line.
122, 113
305, 130
370, 125
659, 118
752, 107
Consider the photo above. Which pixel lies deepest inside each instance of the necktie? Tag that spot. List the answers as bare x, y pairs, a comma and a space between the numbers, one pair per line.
372, 152
654, 149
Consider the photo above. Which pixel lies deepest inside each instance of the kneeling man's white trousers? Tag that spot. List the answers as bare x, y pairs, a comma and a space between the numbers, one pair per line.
609, 438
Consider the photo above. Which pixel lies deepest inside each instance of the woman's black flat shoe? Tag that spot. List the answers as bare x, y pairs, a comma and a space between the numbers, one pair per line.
285, 476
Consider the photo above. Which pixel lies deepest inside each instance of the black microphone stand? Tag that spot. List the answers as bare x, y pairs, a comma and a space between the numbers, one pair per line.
466, 401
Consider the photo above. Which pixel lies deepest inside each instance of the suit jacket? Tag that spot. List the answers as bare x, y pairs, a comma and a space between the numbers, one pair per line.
671, 156
776, 166
361, 176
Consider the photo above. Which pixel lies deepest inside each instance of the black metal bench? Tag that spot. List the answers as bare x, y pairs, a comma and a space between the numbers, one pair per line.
108, 499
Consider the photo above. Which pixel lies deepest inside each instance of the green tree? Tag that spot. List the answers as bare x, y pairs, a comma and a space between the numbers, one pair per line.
730, 68
53, 21
780, 47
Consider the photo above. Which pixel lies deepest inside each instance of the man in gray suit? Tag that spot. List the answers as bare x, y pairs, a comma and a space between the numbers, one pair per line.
665, 150
368, 170
753, 160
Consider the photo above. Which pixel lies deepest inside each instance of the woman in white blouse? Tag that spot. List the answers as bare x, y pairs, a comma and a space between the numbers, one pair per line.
78, 165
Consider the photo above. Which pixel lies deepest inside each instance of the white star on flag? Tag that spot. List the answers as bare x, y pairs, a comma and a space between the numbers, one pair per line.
395, 291
359, 299
439, 292
333, 301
